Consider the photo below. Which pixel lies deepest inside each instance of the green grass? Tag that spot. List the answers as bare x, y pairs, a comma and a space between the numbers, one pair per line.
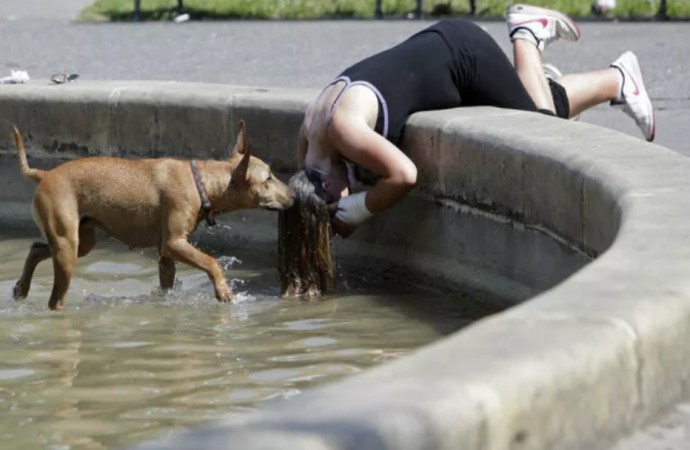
322, 9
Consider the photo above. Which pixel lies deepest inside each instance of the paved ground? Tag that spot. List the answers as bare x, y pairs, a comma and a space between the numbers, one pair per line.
295, 54
55, 10
38, 37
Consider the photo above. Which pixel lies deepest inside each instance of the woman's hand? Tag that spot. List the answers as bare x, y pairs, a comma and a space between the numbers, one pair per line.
342, 229
338, 226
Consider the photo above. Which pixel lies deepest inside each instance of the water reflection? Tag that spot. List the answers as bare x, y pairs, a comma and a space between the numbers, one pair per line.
124, 363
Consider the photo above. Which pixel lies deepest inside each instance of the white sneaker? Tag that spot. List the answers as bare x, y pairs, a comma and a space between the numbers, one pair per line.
553, 73
633, 98
539, 25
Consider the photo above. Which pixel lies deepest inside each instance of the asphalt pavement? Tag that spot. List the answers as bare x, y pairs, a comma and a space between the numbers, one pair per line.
41, 37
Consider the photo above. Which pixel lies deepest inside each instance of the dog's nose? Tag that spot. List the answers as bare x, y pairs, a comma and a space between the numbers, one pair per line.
293, 197
282, 203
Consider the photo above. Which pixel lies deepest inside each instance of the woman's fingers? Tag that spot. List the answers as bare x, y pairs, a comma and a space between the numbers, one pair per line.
341, 228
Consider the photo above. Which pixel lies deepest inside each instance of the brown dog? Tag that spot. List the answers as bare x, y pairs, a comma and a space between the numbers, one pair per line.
143, 203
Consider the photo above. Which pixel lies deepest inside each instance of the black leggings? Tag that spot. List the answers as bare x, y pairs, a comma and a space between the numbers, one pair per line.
490, 78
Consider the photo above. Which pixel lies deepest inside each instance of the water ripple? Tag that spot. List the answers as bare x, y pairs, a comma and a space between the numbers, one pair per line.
126, 362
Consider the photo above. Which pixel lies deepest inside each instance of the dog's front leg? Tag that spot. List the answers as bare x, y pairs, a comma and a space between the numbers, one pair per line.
166, 272
181, 250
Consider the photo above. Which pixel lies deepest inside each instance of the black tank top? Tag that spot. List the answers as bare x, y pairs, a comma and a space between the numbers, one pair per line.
425, 72
428, 71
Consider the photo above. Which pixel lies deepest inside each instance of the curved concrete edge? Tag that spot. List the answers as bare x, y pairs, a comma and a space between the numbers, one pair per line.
144, 119
574, 367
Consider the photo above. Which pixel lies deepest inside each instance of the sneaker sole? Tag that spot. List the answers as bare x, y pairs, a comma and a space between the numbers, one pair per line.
551, 71
649, 100
537, 11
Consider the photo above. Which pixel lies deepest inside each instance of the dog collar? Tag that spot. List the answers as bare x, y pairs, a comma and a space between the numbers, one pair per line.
205, 203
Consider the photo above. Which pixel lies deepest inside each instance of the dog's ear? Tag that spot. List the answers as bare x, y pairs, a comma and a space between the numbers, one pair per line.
239, 173
241, 142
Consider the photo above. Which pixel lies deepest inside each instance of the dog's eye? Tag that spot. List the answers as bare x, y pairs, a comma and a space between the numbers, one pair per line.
270, 178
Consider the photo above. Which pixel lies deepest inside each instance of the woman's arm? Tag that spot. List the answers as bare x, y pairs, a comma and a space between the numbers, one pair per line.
357, 142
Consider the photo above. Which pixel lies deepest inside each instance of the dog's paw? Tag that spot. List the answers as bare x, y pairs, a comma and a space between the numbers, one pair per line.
19, 292
225, 295
227, 298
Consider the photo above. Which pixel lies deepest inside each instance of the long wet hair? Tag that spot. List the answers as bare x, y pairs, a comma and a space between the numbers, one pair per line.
305, 255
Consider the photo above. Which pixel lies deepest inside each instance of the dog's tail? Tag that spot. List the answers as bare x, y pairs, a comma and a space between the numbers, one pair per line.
27, 172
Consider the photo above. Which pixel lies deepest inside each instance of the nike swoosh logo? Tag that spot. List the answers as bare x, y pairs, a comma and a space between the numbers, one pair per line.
637, 89
544, 22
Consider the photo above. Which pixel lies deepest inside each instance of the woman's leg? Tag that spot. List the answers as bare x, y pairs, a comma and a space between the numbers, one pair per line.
621, 84
528, 65
531, 29
589, 89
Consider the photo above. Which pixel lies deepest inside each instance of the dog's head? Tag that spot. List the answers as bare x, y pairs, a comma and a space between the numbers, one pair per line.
253, 180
